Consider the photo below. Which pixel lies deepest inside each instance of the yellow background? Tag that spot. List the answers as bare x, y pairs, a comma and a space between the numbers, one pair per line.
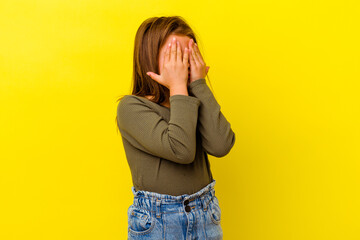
286, 74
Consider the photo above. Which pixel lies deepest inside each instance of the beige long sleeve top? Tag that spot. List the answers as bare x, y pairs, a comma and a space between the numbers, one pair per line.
167, 148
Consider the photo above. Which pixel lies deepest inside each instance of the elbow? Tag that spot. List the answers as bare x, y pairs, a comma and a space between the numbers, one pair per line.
187, 156
227, 147
183, 152
221, 150
219, 153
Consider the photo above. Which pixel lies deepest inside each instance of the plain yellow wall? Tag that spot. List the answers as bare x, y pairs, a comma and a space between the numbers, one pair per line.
286, 74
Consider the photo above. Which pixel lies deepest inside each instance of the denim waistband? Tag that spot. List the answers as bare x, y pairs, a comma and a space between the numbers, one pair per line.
163, 203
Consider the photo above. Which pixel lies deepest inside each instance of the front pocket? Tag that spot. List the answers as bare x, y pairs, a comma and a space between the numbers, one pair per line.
214, 210
140, 221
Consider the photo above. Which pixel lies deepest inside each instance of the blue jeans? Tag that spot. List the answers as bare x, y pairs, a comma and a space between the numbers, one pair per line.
185, 217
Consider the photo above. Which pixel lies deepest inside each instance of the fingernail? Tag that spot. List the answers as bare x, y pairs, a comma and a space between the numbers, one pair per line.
173, 38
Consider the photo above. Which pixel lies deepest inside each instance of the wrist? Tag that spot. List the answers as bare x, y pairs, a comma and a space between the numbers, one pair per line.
197, 82
180, 90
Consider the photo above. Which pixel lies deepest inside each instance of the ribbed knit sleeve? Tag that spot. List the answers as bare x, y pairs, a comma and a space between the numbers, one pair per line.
146, 130
216, 133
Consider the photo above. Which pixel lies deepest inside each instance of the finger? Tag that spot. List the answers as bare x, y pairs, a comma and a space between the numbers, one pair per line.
155, 77
191, 50
196, 57
178, 53
191, 57
167, 53
173, 49
166, 56
186, 56
198, 54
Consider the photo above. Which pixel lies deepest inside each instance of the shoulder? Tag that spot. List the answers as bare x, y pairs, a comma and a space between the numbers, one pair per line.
133, 110
132, 103
131, 100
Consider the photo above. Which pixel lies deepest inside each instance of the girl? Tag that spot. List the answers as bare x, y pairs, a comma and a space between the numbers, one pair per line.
169, 124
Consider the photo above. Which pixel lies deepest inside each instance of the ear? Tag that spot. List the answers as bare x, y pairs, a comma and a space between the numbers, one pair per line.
207, 69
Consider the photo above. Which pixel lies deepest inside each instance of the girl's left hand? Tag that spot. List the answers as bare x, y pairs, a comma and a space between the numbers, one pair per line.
198, 68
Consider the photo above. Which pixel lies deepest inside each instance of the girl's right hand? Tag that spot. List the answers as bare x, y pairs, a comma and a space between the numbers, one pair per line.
175, 67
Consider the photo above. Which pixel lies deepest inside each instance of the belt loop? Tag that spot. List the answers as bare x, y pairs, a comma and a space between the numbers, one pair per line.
203, 197
158, 209
153, 204
136, 201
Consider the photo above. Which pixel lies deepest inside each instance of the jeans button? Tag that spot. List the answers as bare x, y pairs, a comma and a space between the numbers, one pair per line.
186, 202
187, 208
